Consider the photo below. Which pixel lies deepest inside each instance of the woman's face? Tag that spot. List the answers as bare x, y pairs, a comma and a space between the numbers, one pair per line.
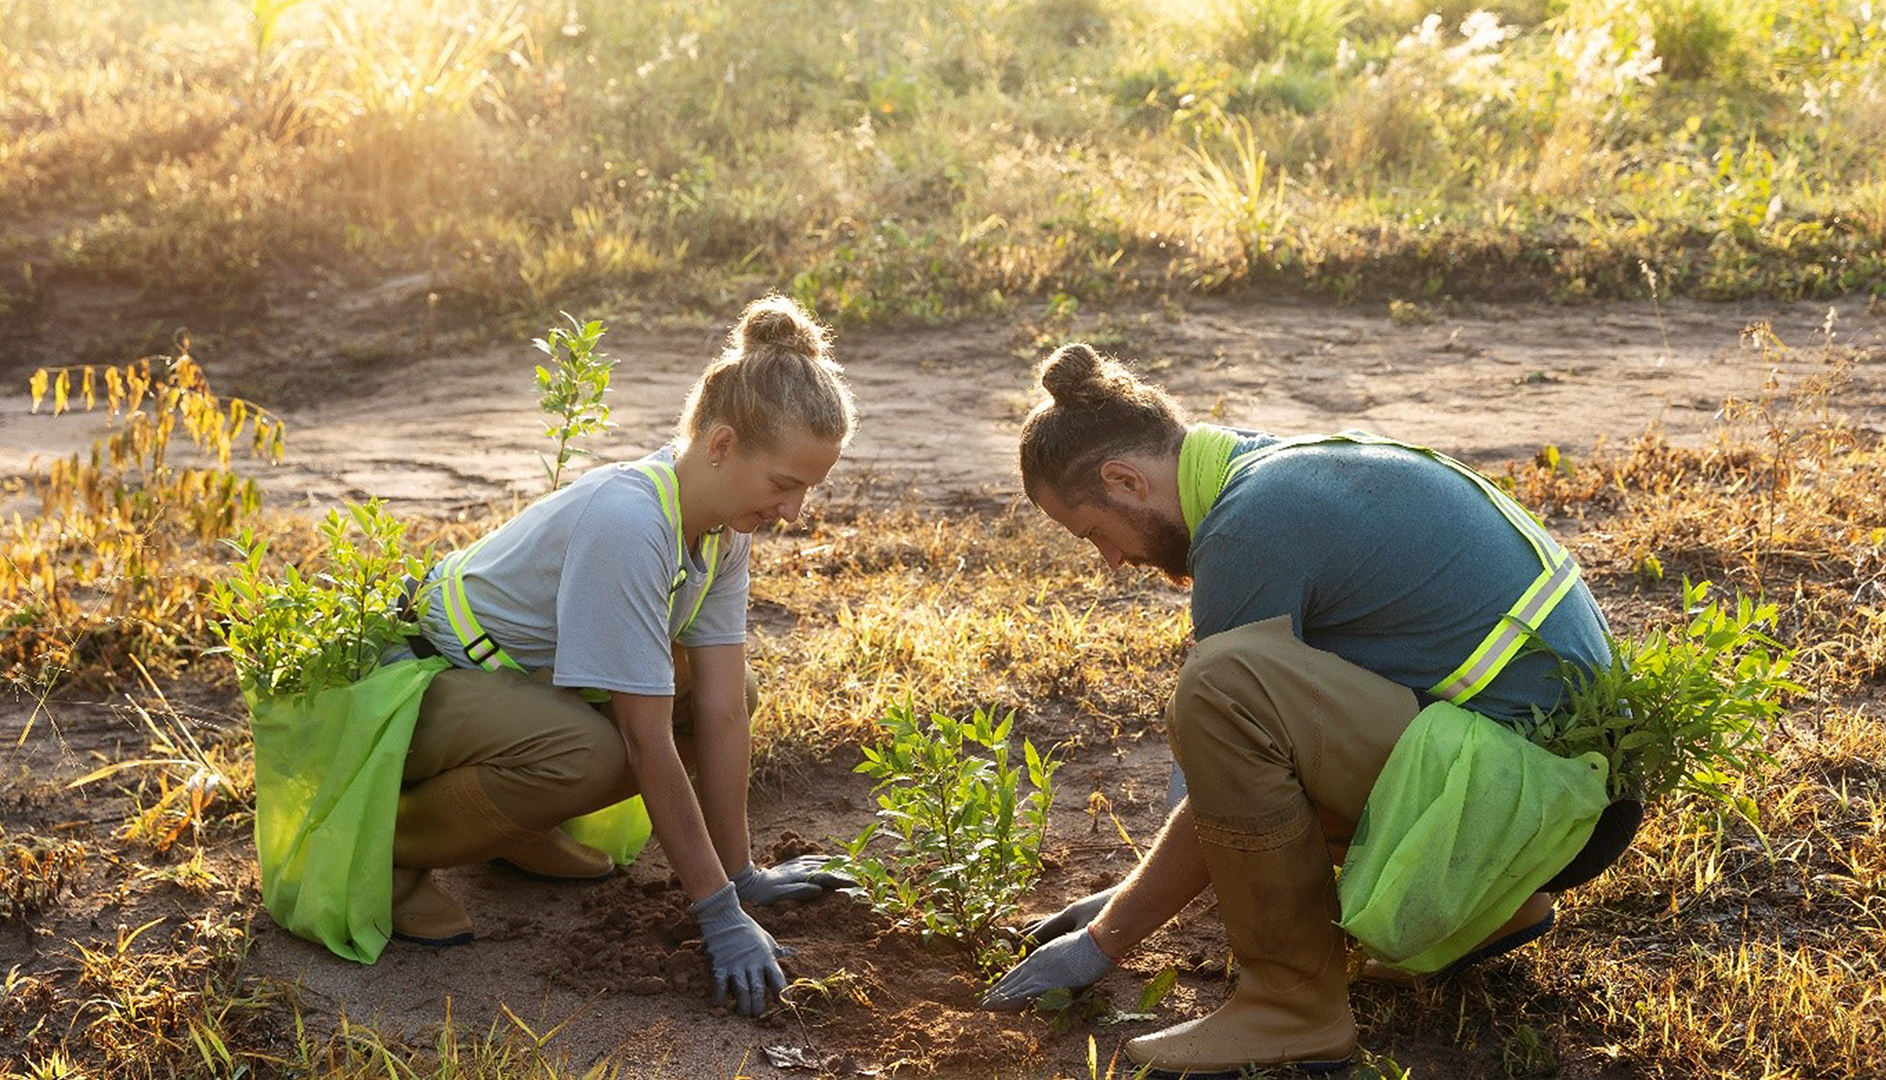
764, 486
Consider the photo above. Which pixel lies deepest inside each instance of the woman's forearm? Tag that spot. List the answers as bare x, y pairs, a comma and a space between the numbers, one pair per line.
673, 811
724, 748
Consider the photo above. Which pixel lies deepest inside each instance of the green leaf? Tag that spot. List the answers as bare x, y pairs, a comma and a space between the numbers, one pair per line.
1157, 988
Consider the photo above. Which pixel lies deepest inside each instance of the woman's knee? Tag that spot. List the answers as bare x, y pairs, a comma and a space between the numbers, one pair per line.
590, 762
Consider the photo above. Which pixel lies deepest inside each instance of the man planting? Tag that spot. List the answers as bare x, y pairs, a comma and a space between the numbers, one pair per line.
1349, 595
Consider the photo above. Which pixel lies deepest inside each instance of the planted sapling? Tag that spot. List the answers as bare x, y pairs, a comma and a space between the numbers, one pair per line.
964, 839
573, 387
1679, 710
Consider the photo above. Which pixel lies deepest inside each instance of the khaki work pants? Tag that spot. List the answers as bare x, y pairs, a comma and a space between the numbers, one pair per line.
543, 755
1265, 726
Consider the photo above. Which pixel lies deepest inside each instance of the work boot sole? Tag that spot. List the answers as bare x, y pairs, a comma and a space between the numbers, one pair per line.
1376, 971
434, 943
1301, 1068
554, 878
1522, 936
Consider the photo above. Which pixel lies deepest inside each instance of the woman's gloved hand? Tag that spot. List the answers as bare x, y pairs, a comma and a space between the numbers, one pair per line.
1071, 961
742, 955
1073, 917
795, 879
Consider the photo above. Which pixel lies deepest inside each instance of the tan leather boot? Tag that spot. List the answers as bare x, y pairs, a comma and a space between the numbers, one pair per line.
1291, 1004
424, 915
554, 856
446, 820
449, 820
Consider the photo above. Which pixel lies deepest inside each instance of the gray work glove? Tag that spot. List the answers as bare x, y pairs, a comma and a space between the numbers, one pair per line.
742, 955
802, 878
1071, 962
1073, 917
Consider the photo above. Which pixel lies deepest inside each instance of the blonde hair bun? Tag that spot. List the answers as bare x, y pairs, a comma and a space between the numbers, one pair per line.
773, 377
778, 322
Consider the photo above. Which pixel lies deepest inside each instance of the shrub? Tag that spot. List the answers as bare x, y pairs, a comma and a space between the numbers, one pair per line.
965, 843
112, 566
1679, 710
302, 631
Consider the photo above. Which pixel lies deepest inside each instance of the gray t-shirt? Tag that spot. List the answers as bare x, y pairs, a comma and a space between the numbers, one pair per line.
579, 582
1386, 558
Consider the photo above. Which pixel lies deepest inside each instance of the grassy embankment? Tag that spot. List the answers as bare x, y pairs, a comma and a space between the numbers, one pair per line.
926, 158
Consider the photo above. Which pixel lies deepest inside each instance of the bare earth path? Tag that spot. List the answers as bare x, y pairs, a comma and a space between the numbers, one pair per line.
459, 426
456, 427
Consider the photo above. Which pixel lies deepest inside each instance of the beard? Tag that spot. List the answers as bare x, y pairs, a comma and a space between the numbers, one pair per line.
1168, 546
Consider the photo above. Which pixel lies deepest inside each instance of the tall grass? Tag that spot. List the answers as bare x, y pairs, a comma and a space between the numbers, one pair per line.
914, 159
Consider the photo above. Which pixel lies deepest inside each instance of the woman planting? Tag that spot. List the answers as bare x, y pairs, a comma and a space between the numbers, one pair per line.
598, 649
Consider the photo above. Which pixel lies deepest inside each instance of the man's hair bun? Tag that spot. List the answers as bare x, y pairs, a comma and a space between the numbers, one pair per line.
1072, 373
1099, 409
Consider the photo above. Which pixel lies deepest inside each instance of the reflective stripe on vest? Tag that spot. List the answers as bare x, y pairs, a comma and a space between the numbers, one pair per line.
1557, 575
481, 650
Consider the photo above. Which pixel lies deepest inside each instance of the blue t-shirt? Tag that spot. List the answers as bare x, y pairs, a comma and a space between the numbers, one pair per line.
1387, 558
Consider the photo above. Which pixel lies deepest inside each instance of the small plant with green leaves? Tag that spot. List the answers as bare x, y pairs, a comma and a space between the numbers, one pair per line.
299, 631
573, 386
1684, 709
964, 836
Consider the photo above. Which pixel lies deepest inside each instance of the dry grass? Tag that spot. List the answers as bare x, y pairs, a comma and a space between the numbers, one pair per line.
913, 159
954, 612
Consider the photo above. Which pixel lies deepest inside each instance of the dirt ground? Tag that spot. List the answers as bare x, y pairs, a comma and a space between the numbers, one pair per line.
442, 426
438, 423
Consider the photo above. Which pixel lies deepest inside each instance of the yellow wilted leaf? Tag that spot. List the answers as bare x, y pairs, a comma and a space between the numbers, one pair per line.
140, 384
38, 386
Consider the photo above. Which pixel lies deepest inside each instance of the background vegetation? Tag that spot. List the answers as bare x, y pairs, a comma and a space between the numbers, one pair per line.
918, 158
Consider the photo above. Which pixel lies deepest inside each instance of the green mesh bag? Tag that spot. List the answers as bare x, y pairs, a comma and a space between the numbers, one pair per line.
1467, 820
327, 780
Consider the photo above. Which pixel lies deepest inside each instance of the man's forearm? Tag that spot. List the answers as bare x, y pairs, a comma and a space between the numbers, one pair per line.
1171, 873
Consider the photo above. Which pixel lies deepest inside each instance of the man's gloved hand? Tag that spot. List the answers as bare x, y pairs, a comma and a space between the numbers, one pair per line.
743, 956
795, 879
1071, 961
1073, 917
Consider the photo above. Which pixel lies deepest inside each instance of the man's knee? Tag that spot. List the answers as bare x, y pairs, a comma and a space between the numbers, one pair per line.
1220, 693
